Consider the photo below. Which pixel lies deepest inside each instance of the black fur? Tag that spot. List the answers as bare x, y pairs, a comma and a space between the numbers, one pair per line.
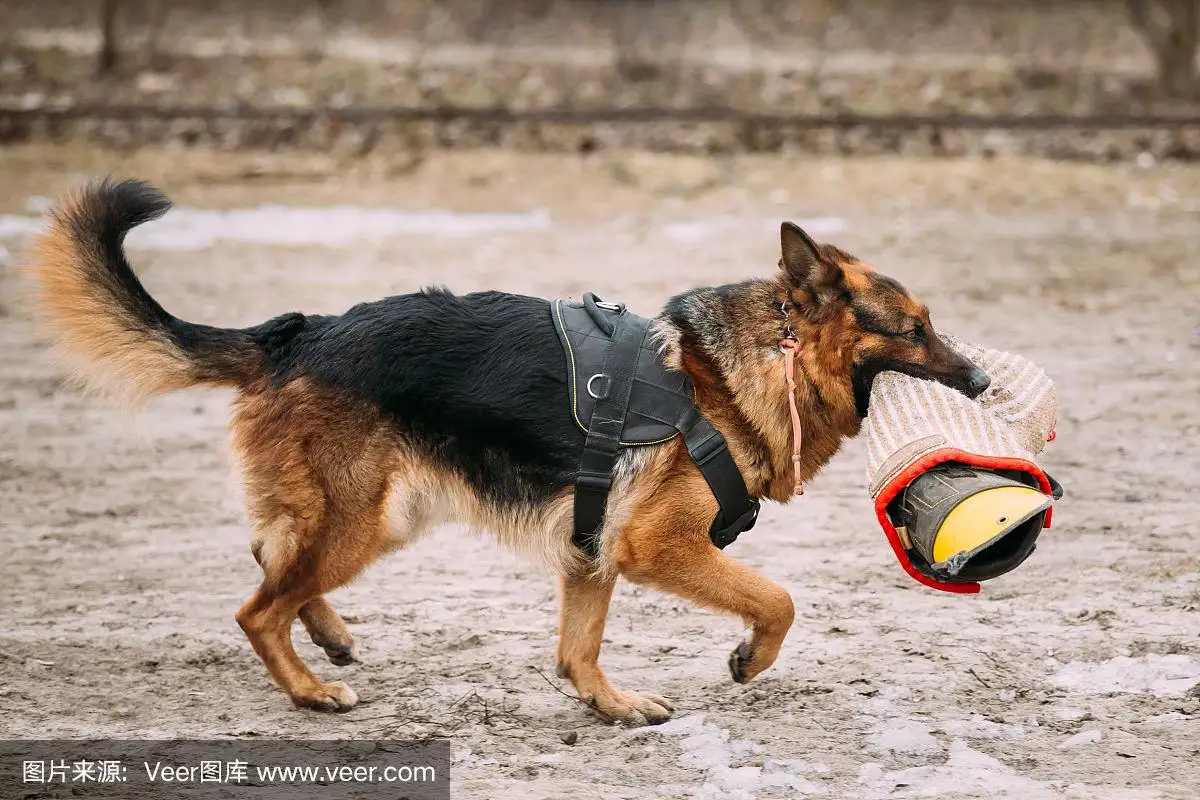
871, 322
862, 378
477, 382
864, 374
107, 211
707, 319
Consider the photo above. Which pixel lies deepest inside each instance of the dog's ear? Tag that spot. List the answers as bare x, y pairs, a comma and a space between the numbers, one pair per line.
803, 264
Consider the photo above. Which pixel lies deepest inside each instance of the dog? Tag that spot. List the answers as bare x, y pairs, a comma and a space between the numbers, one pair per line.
361, 432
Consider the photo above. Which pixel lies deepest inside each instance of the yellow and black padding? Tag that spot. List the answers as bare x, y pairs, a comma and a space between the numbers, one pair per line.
963, 523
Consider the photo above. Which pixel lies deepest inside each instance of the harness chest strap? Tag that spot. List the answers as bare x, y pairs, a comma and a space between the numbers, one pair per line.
603, 442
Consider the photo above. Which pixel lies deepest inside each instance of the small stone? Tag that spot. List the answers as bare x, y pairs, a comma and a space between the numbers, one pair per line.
569, 737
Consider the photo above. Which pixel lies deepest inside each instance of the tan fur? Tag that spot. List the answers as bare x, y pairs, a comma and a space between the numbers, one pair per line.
330, 487
665, 545
108, 350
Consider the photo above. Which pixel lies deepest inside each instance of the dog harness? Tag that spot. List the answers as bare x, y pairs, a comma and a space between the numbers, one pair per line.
622, 395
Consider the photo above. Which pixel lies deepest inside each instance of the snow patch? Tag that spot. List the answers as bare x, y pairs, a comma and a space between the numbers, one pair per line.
966, 772
465, 757
1083, 737
721, 758
1158, 675
38, 204
905, 736
896, 733
13, 226
334, 226
547, 759
976, 727
699, 230
1070, 714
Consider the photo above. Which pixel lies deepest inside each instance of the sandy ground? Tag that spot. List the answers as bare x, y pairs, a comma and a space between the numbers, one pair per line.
125, 549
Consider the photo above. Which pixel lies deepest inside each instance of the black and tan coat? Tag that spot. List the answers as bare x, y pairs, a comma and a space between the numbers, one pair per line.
359, 433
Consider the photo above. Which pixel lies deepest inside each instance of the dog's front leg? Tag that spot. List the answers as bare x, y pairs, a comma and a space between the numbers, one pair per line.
582, 615
666, 546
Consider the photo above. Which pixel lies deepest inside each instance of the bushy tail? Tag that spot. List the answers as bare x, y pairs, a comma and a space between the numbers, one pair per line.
121, 341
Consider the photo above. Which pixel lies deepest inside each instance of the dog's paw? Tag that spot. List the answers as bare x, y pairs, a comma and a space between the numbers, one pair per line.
633, 709
739, 663
342, 654
335, 696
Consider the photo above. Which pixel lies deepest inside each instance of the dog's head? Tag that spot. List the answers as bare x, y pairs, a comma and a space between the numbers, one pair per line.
872, 318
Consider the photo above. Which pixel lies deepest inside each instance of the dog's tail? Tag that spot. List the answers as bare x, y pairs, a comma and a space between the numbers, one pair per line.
120, 339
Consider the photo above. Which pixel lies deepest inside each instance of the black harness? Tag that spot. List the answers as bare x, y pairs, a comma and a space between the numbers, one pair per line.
623, 395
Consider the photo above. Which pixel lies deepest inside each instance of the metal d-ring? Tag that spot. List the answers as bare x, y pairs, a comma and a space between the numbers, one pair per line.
589, 386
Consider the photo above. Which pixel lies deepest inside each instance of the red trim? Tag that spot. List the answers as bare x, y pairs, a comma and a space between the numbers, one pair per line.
932, 459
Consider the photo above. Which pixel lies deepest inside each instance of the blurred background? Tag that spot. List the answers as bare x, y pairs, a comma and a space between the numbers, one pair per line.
1096, 79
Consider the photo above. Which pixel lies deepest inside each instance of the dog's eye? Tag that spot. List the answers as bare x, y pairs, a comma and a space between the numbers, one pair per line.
916, 335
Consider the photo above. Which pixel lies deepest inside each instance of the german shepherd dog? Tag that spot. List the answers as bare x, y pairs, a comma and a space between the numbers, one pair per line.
358, 433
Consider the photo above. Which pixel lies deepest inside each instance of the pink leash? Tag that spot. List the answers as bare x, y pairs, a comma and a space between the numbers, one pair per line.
791, 348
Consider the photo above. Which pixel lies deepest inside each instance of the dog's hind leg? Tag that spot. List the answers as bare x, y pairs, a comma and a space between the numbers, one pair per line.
328, 631
407, 521
301, 564
318, 470
325, 626
581, 629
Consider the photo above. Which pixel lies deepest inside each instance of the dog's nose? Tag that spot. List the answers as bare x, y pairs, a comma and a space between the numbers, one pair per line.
978, 382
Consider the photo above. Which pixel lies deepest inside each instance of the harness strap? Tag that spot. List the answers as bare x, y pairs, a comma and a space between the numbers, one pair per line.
708, 448
791, 348
613, 385
612, 388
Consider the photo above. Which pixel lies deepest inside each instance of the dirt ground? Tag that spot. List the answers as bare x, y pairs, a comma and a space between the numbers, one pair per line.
126, 552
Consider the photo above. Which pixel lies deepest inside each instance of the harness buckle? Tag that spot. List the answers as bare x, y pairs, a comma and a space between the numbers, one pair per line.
724, 536
594, 481
711, 445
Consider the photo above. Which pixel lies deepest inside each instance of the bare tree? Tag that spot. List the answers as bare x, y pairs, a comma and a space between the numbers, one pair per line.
1172, 29
108, 37
152, 44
